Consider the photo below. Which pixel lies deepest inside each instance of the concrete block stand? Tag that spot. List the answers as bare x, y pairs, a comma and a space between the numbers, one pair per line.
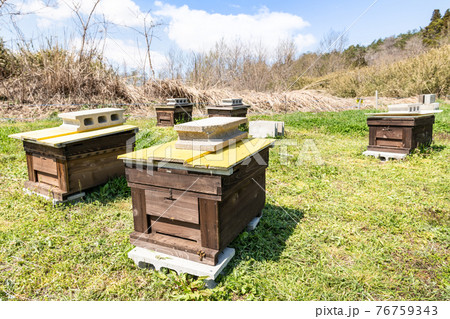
265, 129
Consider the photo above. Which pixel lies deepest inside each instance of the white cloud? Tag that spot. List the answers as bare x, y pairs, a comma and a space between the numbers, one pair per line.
198, 30
122, 12
119, 52
128, 52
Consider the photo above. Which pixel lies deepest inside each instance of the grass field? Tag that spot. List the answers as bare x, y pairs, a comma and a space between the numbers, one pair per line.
336, 226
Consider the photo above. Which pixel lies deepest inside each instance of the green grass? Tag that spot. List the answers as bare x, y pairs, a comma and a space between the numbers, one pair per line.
354, 228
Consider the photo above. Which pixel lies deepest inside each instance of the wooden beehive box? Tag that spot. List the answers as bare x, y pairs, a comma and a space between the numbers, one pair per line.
399, 133
228, 108
78, 155
193, 203
176, 111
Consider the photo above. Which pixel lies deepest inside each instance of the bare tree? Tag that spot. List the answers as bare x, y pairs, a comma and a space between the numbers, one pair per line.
175, 65
330, 57
333, 41
83, 21
285, 52
148, 29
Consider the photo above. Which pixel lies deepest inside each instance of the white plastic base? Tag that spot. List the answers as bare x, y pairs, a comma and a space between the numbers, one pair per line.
252, 225
54, 201
385, 155
142, 256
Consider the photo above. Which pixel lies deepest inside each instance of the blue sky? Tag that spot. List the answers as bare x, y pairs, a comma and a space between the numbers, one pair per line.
385, 18
194, 26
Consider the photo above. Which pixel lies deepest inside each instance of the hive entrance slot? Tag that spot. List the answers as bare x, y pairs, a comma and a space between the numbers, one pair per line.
175, 236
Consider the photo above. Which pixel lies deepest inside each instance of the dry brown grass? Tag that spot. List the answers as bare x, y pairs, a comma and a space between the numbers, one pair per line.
59, 76
54, 80
145, 98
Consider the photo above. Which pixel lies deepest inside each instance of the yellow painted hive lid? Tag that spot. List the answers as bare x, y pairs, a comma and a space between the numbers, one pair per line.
222, 159
59, 137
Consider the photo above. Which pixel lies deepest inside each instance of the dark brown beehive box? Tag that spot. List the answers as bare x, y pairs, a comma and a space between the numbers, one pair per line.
228, 108
191, 203
174, 112
64, 161
399, 133
194, 222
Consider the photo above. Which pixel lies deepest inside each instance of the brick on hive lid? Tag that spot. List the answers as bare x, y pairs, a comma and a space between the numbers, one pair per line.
430, 108
427, 98
178, 102
210, 134
404, 108
88, 120
233, 102
416, 108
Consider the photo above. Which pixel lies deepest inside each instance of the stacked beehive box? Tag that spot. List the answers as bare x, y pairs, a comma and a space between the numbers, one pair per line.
192, 197
228, 108
178, 110
80, 154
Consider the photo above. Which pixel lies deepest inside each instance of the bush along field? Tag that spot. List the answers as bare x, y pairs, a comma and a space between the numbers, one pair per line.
336, 226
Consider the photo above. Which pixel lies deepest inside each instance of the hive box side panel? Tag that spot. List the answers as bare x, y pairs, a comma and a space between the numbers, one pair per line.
244, 197
240, 206
176, 229
110, 142
172, 204
94, 170
141, 222
209, 223
422, 135
184, 182
165, 118
51, 152
227, 113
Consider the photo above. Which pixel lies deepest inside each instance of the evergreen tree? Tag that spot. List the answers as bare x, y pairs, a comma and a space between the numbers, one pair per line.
446, 23
432, 33
436, 15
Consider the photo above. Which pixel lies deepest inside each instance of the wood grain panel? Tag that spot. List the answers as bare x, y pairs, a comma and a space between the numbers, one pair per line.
389, 142
141, 221
164, 226
390, 133
88, 172
44, 164
209, 223
193, 183
47, 179
172, 204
